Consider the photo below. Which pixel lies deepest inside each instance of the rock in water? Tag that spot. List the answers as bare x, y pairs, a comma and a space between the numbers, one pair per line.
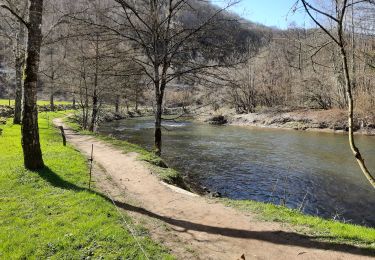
218, 120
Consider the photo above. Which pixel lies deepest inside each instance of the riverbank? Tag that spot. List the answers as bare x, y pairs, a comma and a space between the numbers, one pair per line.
330, 121
51, 213
108, 114
303, 227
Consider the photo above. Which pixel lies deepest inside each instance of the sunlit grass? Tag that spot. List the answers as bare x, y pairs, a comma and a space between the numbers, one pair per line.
5, 102
320, 228
51, 214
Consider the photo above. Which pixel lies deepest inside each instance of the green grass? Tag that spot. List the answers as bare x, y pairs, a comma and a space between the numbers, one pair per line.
328, 230
5, 102
51, 214
156, 164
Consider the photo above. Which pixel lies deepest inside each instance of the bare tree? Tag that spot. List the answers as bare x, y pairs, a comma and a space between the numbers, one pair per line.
164, 48
14, 30
341, 7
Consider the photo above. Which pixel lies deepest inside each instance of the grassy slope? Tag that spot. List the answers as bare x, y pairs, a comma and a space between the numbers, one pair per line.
5, 102
51, 214
328, 230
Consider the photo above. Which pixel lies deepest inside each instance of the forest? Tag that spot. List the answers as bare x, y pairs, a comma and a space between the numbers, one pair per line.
199, 73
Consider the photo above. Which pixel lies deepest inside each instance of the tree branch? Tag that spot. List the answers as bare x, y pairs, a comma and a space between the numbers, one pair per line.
307, 6
15, 15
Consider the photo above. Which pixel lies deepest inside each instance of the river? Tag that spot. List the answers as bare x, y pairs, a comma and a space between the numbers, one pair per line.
309, 170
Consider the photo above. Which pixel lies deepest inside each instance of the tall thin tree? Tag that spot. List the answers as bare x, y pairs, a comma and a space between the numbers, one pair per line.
30, 131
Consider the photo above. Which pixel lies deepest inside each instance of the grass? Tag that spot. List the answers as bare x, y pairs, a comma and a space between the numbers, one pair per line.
328, 230
51, 214
5, 102
156, 164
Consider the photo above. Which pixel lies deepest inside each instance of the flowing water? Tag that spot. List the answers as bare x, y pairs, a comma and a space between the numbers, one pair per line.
312, 171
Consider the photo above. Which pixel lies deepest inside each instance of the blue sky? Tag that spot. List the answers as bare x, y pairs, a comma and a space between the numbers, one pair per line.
268, 12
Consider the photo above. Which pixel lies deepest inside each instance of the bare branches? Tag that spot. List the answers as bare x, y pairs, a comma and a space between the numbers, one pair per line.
307, 7
15, 14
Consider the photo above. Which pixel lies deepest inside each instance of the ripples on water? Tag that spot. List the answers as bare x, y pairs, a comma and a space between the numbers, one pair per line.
266, 165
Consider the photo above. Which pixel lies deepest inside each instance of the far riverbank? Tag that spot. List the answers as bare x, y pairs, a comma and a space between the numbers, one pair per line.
330, 121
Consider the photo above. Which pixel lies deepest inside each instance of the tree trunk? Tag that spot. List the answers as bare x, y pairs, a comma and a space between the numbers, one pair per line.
117, 104
158, 114
349, 87
20, 57
52, 93
136, 100
84, 118
86, 109
94, 113
127, 105
18, 98
353, 43
30, 131
51, 99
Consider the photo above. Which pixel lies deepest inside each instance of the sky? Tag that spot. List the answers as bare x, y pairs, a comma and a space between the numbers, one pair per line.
275, 13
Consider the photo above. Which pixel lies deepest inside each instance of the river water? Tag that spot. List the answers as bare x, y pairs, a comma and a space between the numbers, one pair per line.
308, 170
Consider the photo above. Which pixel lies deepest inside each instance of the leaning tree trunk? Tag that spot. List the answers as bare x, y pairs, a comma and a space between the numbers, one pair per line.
340, 42
348, 84
30, 132
354, 148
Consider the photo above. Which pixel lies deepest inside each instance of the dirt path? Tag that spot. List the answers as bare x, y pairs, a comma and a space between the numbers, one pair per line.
194, 227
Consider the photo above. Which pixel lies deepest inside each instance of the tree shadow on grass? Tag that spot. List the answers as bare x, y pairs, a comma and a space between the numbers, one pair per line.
55, 180
275, 237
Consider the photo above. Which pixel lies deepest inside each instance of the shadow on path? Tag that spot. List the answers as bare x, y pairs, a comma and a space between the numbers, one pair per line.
275, 237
